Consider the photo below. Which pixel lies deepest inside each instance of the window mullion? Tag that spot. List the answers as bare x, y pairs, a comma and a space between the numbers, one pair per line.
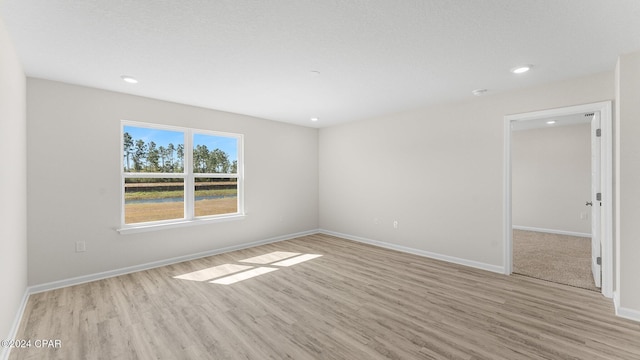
189, 201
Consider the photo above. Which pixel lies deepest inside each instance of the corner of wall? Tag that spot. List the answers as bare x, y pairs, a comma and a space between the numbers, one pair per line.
629, 314
627, 157
13, 211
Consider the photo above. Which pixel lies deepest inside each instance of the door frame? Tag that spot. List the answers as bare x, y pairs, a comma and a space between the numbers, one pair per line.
606, 166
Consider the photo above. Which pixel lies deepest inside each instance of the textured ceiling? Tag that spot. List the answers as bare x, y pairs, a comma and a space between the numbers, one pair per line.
374, 57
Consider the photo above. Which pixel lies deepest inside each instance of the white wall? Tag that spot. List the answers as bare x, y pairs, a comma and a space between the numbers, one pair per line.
628, 183
551, 178
74, 181
13, 188
437, 170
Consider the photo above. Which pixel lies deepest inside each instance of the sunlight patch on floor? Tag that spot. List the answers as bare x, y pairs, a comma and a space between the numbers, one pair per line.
228, 274
270, 257
296, 260
231, 279
213, 272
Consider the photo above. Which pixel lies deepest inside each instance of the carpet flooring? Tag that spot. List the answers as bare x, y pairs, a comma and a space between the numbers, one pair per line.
561, 259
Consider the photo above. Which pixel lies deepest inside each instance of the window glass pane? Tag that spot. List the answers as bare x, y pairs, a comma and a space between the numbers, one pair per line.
153, 199
152, 150
215, 154
215, 196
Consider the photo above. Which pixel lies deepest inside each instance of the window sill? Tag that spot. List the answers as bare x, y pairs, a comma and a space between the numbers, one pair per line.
132, 229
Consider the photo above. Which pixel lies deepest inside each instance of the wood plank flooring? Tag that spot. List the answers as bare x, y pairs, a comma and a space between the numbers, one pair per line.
356, 301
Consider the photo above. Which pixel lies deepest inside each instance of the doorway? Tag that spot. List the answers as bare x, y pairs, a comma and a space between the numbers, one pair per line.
600, 194
550, 193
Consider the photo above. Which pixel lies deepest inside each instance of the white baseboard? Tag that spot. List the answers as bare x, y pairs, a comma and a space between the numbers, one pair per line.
13, 332
4, 352
447, 258
629, 314
151, 265
551, 231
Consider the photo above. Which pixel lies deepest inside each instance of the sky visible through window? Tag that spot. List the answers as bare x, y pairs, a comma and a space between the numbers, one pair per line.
164, 137
226, 144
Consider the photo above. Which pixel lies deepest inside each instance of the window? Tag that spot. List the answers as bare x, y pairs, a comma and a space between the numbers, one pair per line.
173, 175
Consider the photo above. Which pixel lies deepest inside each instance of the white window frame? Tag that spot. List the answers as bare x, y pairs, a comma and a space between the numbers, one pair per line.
189, 177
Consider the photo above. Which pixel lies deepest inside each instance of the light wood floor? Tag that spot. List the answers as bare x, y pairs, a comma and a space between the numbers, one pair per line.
354, 302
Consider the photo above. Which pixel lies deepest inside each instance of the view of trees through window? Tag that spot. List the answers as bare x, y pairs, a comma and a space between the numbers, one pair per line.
156, 181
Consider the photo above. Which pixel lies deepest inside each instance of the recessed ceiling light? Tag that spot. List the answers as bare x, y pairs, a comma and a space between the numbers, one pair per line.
521, 69
129, 79
478, 92
551, 122
315, 119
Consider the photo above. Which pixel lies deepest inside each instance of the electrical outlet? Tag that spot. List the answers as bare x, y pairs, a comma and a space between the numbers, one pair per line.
81, 246
395, 224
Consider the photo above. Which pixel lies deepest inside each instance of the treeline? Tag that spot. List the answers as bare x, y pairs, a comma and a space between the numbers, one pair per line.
140, 156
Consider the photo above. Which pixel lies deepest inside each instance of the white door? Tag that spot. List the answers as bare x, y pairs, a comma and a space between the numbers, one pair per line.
596, 207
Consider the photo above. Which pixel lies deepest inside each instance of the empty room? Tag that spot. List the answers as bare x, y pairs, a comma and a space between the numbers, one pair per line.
425, 179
